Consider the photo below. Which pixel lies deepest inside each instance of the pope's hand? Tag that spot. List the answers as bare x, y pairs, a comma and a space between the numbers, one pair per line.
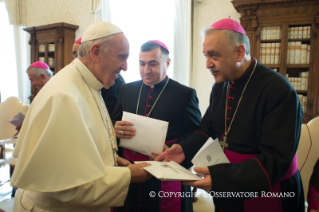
205, 183
122, 161
175, 153
123, 130
138, 174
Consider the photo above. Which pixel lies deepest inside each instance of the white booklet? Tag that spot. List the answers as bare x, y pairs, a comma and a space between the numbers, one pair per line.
17, 119
210, 154
149, 136
169, 171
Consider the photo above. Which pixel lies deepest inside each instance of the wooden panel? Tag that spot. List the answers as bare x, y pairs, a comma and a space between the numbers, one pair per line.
256, 14
62, 35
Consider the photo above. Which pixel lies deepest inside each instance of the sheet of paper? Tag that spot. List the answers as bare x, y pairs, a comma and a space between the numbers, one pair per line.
149, 136
210, 154
17, 119
169, 171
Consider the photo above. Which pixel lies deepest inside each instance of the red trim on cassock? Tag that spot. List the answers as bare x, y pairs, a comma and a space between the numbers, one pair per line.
250, 67
202, 132
145, 114
265, 172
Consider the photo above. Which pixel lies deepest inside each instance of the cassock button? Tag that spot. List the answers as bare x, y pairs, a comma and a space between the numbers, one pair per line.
152, 89
228, 119
229, 108
146, 114
148, 105
230, 97
150, 97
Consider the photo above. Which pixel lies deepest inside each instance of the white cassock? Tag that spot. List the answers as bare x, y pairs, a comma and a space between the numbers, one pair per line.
66, 149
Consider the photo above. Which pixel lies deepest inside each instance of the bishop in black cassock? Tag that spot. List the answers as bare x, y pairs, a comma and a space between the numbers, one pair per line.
169, 101
257, 116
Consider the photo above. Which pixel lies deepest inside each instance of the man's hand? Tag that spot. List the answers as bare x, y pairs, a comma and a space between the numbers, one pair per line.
153, 155
122, 161
175, 153
138, 174
122, 129
205, 183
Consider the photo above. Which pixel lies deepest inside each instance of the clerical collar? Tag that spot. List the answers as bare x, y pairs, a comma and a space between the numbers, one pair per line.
159, 85
245, 76
87, 75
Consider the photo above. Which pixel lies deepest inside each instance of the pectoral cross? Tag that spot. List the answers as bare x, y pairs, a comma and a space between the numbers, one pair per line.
223, 143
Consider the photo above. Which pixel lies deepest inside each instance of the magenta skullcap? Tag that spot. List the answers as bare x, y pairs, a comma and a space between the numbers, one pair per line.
228, 24
78, 41
39, 64
159, 43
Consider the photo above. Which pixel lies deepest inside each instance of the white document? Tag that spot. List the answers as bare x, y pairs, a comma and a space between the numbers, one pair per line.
169, 171
149, 136
17, 119
210, 154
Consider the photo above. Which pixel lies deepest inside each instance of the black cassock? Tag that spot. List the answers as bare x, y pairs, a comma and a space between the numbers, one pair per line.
262, 142
313, 192
177, 105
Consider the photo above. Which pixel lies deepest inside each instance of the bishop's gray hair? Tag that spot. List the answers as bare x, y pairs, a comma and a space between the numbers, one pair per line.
85, 47
37, 71
234, 38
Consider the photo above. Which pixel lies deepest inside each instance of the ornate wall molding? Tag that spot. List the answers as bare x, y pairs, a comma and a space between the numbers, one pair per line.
245, 4
60, 37
32, 41
249, 19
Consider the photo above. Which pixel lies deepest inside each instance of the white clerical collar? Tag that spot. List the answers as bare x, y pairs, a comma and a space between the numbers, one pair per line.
87, 75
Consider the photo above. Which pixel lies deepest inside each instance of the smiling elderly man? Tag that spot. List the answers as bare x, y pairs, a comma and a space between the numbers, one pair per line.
39, 74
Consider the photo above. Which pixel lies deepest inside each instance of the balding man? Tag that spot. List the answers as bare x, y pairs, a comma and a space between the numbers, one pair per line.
66, 149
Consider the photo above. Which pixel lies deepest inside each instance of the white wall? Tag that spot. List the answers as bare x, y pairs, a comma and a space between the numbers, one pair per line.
77, 12
206, 13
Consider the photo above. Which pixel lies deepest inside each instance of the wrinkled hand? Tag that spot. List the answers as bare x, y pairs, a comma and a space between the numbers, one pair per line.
175, 153
138, 174
122, 161
205, 183
123, 130
153, 155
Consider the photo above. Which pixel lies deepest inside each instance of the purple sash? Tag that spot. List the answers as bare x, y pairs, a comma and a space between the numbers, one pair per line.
263, 204
169, 202
313, 203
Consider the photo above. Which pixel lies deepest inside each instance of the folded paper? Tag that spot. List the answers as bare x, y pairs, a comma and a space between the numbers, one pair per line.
210, 154
17, 119
169, 171
149, 136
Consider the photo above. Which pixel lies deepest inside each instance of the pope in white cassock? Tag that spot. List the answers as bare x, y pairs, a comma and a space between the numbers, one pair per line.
66, 149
